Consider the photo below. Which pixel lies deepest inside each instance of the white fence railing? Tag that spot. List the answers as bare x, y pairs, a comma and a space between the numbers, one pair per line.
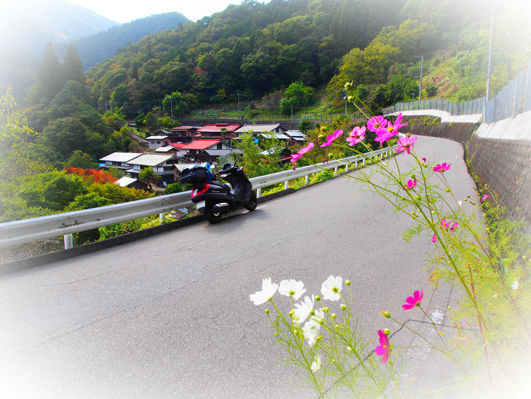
64, 224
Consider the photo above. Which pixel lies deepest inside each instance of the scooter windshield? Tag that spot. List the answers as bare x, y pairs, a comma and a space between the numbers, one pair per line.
225, 159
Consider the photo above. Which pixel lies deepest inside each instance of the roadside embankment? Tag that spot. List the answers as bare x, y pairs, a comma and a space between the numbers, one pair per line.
498, 153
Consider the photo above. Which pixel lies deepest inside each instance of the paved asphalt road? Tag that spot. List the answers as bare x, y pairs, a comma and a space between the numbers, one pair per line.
169, 316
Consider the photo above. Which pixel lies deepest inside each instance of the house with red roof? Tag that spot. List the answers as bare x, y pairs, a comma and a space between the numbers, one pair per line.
218, 131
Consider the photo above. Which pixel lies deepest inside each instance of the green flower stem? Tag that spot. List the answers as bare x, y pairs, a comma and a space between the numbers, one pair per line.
300, 347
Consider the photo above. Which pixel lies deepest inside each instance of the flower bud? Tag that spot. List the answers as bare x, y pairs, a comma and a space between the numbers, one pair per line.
326, 309
441, 333
348, 85
336, 326
266, 311
275, 334
291, 313
317, 298
347, 282
349, 349
448, 190
319, 338
386, 314
387, 331
312, 312
333, 316
413, 176
343, 306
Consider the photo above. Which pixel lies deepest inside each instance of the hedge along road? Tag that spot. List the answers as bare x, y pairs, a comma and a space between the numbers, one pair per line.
169, 316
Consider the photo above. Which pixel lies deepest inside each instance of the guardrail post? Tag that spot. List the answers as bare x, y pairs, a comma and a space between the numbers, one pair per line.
69, 243
286, 184
259, 192
306, 180
335, 171
161, 217
346, 167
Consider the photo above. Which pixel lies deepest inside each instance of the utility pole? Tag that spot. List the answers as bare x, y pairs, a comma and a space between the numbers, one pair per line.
238, 111
489, 65
420, 80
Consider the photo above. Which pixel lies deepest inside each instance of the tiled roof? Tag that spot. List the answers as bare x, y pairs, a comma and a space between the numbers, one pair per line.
258, 128
200, 144
217, 128
151, 159
120, 156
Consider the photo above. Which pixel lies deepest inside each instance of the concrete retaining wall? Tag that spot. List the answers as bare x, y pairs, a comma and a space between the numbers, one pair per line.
499, 154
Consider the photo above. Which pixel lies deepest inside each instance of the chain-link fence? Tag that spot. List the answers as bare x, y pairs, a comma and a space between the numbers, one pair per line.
514, 99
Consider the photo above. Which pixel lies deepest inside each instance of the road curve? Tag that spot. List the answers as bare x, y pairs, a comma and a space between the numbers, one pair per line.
169, 316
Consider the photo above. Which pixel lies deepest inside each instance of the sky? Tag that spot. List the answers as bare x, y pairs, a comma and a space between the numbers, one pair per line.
127, 10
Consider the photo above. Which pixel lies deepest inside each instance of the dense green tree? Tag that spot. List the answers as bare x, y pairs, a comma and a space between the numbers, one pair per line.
72, 66
50, 78
16, 157
80, 159
119, 97
295, 96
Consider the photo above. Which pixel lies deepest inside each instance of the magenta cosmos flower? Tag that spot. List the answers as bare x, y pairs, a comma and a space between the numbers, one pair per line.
376, 123
386, 133
441, 168
331, 137
384, 348
485, 197
434, 238
406, 143
412, 301
302, 151
411, 184
357, 135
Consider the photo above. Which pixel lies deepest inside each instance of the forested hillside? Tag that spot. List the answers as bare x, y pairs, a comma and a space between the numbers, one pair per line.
102, 45
256, 48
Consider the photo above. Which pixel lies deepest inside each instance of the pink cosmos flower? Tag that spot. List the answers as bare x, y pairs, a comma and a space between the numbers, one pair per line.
412, 301
376, 122
423, 160
295, 157
385, 133
411, 184
434, 238
383, 137
446, 225
331, 137
485, 197
441, 168
384, 348
405, 143
357, 135
304, 150
454, 227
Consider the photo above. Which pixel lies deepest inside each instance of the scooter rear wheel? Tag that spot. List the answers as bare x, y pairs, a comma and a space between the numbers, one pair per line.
251, 205
212, 215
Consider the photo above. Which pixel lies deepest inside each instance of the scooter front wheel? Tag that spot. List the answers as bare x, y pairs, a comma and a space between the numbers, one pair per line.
251, 205
212, 214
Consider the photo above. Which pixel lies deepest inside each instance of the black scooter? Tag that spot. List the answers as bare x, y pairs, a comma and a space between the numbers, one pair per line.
214, 198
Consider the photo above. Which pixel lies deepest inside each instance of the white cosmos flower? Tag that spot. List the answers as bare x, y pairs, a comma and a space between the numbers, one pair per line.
292, 288
515, 284
302, 309
267, 292
316, 364
331, 288
312, 326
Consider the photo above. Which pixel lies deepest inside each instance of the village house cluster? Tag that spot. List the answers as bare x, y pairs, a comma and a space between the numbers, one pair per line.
171, 151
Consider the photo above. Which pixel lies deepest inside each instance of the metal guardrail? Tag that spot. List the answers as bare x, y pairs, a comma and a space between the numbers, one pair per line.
64, 224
